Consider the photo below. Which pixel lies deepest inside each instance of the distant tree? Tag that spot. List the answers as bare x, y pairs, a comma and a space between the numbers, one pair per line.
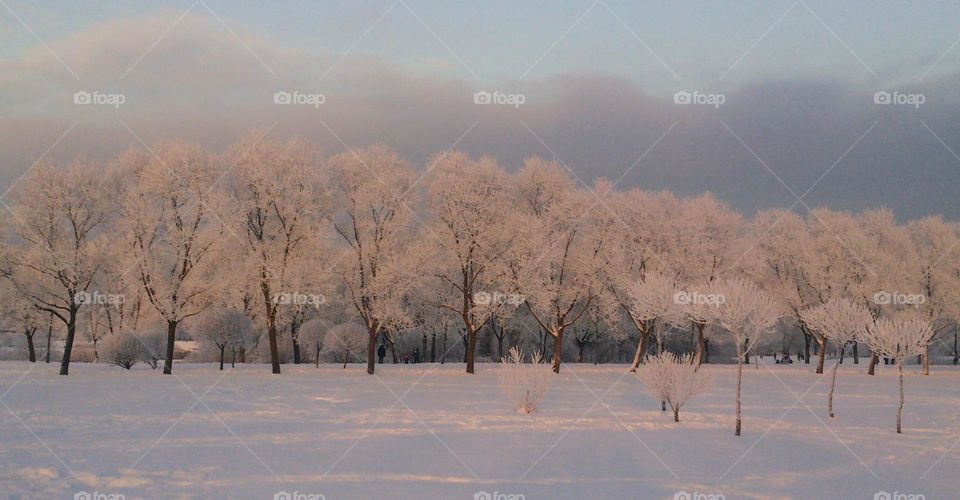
747, 313
898, 339
345, 339
674, 379
224, 329
838, 321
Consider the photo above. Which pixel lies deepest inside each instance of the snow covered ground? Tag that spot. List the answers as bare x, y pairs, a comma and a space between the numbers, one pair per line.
417, 431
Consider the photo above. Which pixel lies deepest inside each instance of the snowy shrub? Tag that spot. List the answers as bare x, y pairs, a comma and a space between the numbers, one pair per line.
154, 346
345, 339
524, 384
674, 379
123, 350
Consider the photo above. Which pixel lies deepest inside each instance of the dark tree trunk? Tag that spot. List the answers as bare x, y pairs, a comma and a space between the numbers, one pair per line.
806, 348
856, 353
68, 342
271, 323
821, 355
371, 349
676, 415
956, 353
500, 348
443, 350
471, 353
701, 345
49, 336
295, 337
222, 349
557, 351
32, 353
874, 359
433, 347
171, 340
243, 354
317, 360
233, 359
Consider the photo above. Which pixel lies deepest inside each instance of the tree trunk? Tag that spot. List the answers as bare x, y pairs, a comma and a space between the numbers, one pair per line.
243, 354
50, 335
500, 348
956, 353
471, 353
874, 359
68, 342
843, 350
557, 351
443, 350
317, 360
641, 351
701, 345
856, 353
806, 348
233, 358
739, 386
30, 350
171, 339
833, 384
900, 408
222, 348
821, 355
346, 355
746, 354
926, 360
676, 415
433, 347
371, 349
295, 337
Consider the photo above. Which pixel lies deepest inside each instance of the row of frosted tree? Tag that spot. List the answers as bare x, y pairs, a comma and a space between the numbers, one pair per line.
277, 234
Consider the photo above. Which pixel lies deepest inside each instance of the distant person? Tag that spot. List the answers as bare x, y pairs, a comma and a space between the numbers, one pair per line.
381, 353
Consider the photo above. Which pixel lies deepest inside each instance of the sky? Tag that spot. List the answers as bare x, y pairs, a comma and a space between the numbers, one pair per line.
785, 112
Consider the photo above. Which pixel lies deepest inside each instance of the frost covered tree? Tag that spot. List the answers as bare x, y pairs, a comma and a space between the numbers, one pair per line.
524, 384
224, 329
655, 302
747, 314
173, 232
124, 349
57, 250
838, 321
897, 339
369, 208
559, 270
674, 379
471, 202
275, 196
345, 339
